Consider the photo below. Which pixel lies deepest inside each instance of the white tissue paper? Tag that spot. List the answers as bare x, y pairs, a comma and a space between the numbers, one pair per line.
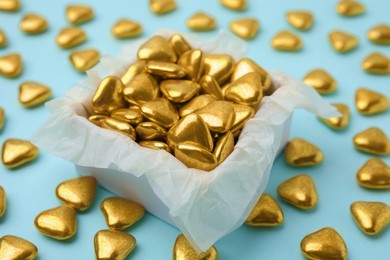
205, 206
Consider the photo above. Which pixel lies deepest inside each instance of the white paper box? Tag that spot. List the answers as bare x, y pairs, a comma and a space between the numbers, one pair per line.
205, 206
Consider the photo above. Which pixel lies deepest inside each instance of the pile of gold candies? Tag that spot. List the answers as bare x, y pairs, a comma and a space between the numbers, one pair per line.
181, 100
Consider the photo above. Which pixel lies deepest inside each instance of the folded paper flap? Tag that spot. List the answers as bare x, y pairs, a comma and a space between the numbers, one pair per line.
204, 205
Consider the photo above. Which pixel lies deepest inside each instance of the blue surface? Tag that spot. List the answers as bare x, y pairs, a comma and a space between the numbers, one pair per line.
30, 189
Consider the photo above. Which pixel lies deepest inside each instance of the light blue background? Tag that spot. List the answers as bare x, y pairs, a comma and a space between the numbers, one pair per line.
30, 189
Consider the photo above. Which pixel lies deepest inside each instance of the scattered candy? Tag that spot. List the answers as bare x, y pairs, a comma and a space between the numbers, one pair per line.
338, 122
369, 102
299, 152
157, 49
299, 191
126, 28
350, 8
374, 174
15, 248
371, 217
33, 93
324, 244
343, 41
111, 244
3, 202
287, 41
17, 152
83, 60
77, 193
121, 213
33, 24
59, 223
78, 14
372, 140
184, 251
379, 34
162, 6
246, 28
70, 37
302, 20
3, 39
376, 63
9, 5
237, 5
266, 213
2, 118
11, 65
321, 81
201, 22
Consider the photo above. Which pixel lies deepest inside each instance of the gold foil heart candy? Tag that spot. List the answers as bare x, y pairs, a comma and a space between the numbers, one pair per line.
247, 90
324, 244
201, 21
118, 126
218, 116
192, 62
111, 244
33, 24
220, 66
210, 86
59, 223
3, 39
372, 140
195, 104
33, 94
126, 28
83, 60
237, 5
183, 250
165, 69
374, 174
302, 20
108, 96
11, 65
379, 34
160, 111
17, 152
300, 152
2, 118
287, 41
266, 213
369, 102
299, 191
9, 5
321, 81
179, 91
338, 122
155, 145
132, 71
157, 48
77, 193
350, 8
162, 6
224, 146
95, 119
121, 213
179, 44
70, 37
190, 128
195, 156
371, 217
242, 115
376, 63
132, 116
78, 14
150, 131
141, 89
3, 202
16, 248
343, 41
246, 28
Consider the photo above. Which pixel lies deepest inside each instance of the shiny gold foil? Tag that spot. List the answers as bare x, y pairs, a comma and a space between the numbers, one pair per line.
70, 37
287, 41
121, 213
179, 44
321, 81
342, 41
132, 116
16, 248
77, 193
150, 131
210, 86
218, 116
376, 63
370, 102
237, 5
338, 122
118, 126
162, 6
17, 152
246, 28
11, 65
108, 96
350, 8
3, 39
266, 213
32, 23
9, 5
165, 69
141, 89
126, 28
184, 251
299, 152
95, 119
201, 21
2, 118
194, 156
372, 140
110, 244
379, 34
157, 48
324, 244
302, 20
59, 223
33, 94
299, 191
132, 71
3, 202
242, 115
78, 14
179, 91
192, 62
371, 217
220, 66
155, 145
83, 60
160, 111
224, 146
195, 104
374, 174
